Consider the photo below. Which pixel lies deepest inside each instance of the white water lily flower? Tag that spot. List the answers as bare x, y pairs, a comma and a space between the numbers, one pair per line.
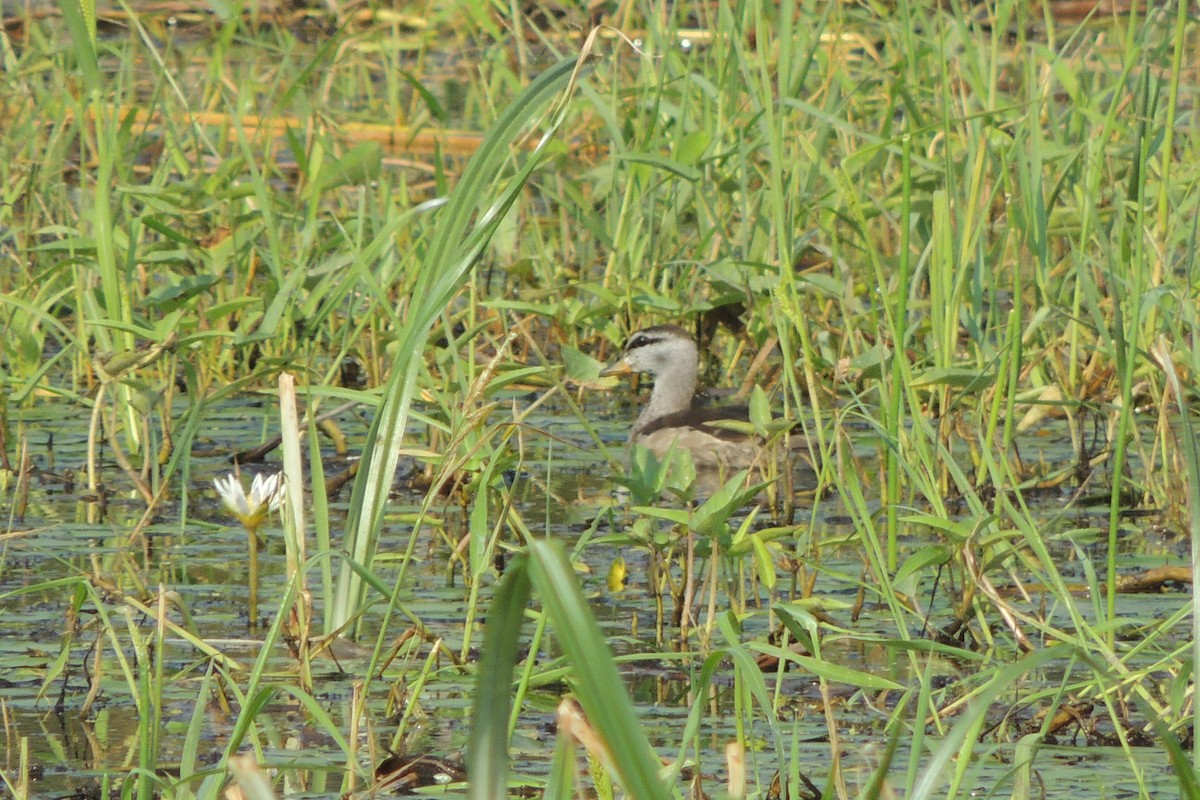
266, 495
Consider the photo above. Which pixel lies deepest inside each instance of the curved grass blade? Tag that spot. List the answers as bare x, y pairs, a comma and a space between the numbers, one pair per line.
487, 749
597, 684
445, 266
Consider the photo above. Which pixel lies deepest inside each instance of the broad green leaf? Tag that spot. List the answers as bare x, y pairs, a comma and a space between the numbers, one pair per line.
579, 366
760, 411
930, 556
690, 148
764, 562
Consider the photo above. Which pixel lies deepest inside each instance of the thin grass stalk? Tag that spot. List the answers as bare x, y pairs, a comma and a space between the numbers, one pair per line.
251, 577
1168, 145
921, 712
487, 746
626, 224
19, 789
483, 536
1128, 272
158, 685
257, 693
1191, 452
561, 777
148, 700
1001, 406
701, 688
743, 717
1089, 638
283, 284
256, 698
190, 753
525, 680
778, 199
1185, 773
850, 490
415, 688
320, 509
752, 682
398, 581
1016, 336
892, 400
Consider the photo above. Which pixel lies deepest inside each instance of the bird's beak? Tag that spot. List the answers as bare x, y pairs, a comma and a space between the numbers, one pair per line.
620, 368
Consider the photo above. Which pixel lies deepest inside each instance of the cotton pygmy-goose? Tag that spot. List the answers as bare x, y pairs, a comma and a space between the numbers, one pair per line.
668, 353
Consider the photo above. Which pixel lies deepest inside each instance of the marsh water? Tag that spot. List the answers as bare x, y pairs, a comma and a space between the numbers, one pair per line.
193, 548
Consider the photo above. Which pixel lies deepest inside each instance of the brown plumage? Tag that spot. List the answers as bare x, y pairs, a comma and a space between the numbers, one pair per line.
668, 353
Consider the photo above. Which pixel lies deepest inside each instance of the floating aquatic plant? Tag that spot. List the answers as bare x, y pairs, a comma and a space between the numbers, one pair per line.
266, 495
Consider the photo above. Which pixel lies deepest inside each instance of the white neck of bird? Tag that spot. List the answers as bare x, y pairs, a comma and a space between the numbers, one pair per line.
674, 388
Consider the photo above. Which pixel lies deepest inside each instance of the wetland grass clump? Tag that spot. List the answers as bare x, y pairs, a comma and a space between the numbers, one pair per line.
957, 250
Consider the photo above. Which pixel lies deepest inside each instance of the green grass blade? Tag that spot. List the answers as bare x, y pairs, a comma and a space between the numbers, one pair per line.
598, 686
487, 749
446, 265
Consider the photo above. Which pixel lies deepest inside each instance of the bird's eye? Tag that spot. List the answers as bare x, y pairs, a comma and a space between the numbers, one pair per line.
638, 340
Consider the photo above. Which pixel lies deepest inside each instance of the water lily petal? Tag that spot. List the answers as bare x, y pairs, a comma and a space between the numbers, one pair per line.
232, 495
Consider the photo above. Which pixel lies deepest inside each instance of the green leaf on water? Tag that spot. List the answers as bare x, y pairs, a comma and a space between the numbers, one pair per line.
579, 366
760, 411
930, 556
764, 562
871, 362
800, 623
